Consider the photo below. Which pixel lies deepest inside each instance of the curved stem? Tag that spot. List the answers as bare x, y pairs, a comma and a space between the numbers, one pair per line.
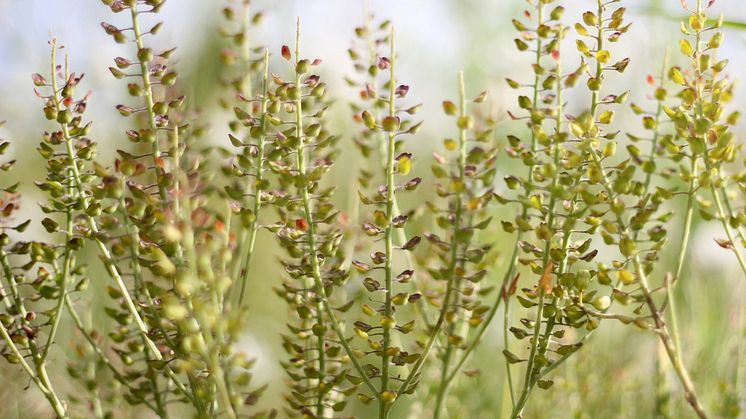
661, 327
40, 381
107, 258
724, 222
37, 372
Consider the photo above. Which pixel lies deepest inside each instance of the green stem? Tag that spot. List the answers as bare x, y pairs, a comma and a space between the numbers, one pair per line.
454, 257
65, 280
673, 354
249, 251
384, 405
510, 272
322, 305
506, 340
108, 260
661, 327
97, 350
729, 208
708, 166
724, 222
599, 47
149, 103
684, 245
210, 350
41, 381
539, 346
248, 236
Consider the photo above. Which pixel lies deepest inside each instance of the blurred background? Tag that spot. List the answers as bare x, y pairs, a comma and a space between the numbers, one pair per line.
612, 377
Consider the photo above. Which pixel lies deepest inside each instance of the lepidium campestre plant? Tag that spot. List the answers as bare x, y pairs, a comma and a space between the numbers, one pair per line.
559, 198
174, 226
303, 152
68, 152
364, 53
187, 330
33, 302
385, 335
633, 221
246, 77
369, 39
459, 260
660, 141
131, 187
549, 208
700, 120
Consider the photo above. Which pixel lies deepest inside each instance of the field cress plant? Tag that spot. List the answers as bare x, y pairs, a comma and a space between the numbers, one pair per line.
390, 311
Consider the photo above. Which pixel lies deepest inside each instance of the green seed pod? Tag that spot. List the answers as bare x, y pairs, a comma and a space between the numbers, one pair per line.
169, 79
50, 113
387, 322
590, 19
557, 13
302, 67
465, 122
627, 246
134, 89
145, 55
160, 108
582, 279
319, 91
294, 93
369, 120
602, 303
391, 123
449, 108
64, 116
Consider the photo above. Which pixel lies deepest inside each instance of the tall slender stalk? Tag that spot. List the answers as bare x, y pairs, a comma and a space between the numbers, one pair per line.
660, 324
384, 404
453, 301
510, 271
108, 260
259, 180
37, 370
147, 86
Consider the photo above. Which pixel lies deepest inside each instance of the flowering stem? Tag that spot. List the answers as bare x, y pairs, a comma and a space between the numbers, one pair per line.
108, 260
253, 227
383, 407
510, 272
661, 328
37, 373
453, 280
149, 104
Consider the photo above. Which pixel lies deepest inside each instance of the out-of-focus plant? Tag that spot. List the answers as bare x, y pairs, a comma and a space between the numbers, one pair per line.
247, 79
33, 302
175, 225
459, 260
